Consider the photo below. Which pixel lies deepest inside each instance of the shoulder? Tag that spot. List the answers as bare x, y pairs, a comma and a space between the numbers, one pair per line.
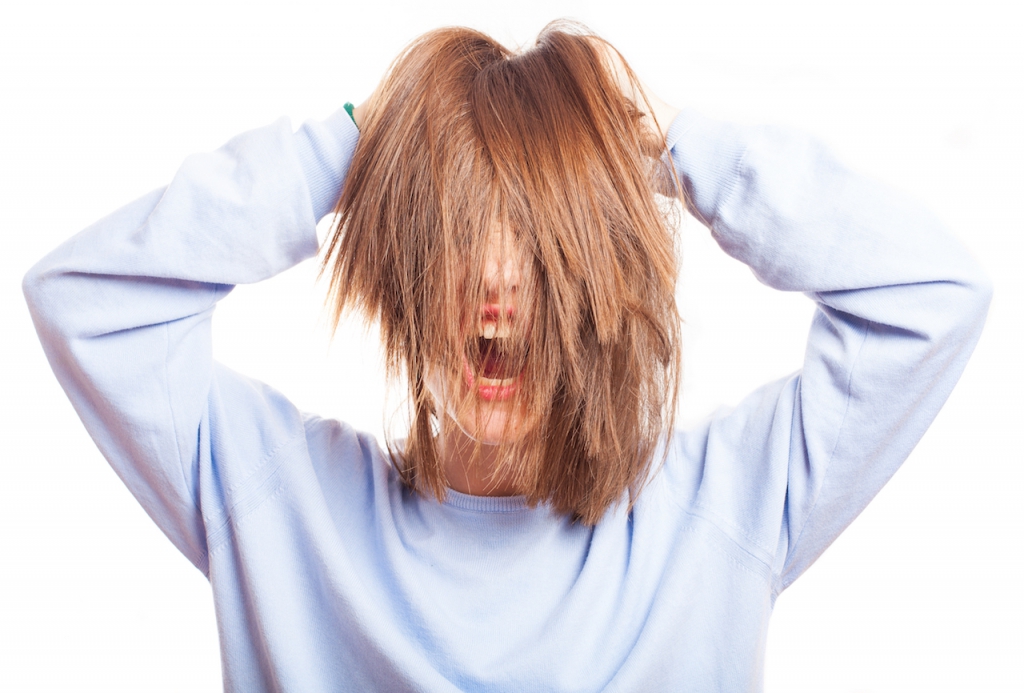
719, 454
256, 430
330, 441
348, 463
731, 468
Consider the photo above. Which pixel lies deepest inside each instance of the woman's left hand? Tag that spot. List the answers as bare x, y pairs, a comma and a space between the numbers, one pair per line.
636, 90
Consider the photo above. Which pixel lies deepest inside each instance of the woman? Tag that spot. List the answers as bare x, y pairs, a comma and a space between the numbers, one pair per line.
542, 528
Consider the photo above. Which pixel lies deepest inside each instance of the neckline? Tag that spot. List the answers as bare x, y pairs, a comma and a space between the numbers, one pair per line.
485, 504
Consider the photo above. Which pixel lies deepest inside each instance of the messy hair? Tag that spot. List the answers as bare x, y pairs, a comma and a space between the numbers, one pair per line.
464, 139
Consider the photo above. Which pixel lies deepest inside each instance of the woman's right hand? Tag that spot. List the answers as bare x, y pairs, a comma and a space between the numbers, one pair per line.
359, 112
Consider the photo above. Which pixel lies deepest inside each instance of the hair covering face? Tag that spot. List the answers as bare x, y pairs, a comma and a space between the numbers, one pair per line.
472, 157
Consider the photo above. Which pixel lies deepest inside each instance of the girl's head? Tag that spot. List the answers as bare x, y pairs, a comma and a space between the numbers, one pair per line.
500, 220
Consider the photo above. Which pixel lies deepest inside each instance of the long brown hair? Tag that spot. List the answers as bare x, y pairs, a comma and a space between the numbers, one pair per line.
466, 139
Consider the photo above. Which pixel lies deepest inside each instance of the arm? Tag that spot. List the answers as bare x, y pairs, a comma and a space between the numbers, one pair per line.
900, 307
123, 310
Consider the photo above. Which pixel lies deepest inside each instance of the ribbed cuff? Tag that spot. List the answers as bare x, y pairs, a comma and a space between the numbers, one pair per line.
707, 155
325, 151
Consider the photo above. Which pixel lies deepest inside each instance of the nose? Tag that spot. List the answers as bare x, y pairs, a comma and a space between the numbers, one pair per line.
502, 273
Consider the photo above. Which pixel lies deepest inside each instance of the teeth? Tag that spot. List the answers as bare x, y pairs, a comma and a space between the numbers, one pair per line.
494, 330
492, 382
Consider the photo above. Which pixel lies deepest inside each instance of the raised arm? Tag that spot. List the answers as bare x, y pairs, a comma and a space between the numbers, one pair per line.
123, 311
900, 304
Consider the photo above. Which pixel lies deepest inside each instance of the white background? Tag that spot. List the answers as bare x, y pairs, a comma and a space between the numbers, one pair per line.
100, 101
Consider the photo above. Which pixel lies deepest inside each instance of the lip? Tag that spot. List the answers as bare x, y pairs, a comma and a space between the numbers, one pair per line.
491, 393
496, 317
491, 312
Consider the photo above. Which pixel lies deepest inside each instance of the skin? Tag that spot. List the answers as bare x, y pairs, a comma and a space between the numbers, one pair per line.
483, 420
470, 436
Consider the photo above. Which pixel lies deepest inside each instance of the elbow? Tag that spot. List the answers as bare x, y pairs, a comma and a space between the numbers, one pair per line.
44, 301
965, 308
978, 290
983, 289
33, 287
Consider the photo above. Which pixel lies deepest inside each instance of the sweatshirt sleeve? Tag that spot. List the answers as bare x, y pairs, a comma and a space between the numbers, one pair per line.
900, 306
123, 311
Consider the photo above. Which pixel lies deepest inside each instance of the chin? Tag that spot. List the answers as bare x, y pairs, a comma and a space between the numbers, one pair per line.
494, 423
486, 419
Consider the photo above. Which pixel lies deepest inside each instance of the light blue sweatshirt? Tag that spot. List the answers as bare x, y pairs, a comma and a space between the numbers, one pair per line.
328, 575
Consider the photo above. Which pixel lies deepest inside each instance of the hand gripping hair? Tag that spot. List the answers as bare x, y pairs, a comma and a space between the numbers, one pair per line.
538, 160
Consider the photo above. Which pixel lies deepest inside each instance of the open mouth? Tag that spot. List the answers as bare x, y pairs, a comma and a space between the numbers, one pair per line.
494, 359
